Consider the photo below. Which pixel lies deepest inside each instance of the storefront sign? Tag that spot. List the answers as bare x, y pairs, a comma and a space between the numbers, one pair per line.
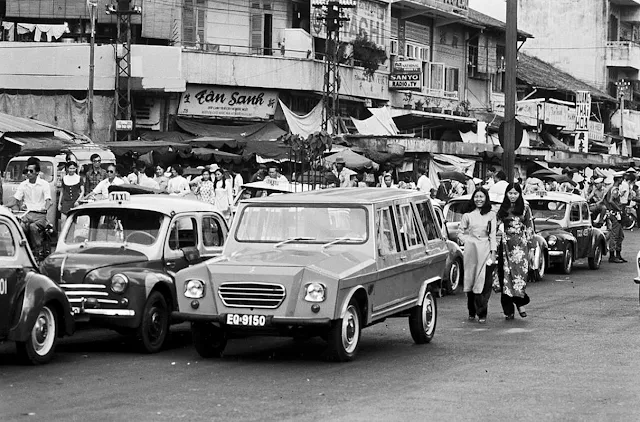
368, 17
528, 113
583, 110
218, 101
406, 74
556, 114
460, 7
596, 131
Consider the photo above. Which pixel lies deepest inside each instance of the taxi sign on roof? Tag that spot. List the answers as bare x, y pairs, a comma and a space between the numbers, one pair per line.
119, 197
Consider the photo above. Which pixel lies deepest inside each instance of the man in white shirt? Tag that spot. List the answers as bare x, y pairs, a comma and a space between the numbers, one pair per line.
387, 181
491, 172
274, 174
500, 184
341, 172
424, 183
34, 195
103, 186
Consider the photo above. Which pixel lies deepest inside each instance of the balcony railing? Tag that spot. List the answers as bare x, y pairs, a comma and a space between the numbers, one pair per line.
623, 54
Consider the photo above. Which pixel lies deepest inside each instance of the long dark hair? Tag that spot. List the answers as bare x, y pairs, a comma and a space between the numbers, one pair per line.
487, 203
518, 207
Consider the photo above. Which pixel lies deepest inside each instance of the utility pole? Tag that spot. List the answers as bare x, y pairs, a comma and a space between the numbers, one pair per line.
123, 121
92, 5
333, 19
511, 52
623, 88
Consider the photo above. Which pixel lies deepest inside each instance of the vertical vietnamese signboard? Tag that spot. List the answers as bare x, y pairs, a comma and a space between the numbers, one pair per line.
583, 112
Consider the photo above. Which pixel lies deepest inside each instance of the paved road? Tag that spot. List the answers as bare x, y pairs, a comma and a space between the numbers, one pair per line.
576, 357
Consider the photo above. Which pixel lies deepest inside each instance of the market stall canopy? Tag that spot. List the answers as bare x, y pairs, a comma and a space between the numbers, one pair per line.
267, 150
173, 136
453, 175
352, 160
379, 124
252, 132
213, 142
143, 147
41, 144
208, 154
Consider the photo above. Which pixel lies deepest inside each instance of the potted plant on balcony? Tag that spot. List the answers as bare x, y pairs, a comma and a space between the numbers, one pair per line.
462, 109
419, 105
368, 55
437, 108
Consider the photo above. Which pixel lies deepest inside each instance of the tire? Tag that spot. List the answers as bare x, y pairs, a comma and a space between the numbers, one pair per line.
208, 339
41, 344
344, 335
567, 262
596, 260
542, 267
154, 327
423, 319
456, 277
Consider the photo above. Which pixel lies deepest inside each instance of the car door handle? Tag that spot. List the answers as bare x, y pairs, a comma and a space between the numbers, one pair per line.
171, 264
403, 257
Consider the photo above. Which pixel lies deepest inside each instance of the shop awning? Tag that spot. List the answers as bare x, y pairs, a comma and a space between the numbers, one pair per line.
142, 147
578, 161
400, 113
213, 142
173, 136
208, 154
352, 159
252, 132
554, 142
44, 144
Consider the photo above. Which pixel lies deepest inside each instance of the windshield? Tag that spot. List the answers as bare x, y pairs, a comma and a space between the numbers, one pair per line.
114, 226
15, 169
546, 209
308, 224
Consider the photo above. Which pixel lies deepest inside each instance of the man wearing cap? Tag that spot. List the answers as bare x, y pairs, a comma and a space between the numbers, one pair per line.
259, 175
612, 202
594, 199
341, 173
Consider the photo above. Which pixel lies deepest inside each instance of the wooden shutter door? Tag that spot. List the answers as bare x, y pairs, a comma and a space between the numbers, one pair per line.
188, 24
255, 43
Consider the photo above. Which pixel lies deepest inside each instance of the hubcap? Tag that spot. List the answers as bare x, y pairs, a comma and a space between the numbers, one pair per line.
454, 274
427, 314
541, 265
350, 330
569, 258
156, 324
43, 332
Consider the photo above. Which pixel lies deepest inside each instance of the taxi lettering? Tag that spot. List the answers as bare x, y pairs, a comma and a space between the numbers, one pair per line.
3, 286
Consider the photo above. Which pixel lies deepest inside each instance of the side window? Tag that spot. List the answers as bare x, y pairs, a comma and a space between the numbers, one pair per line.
386, 233
212, 234
585, 212
409, 234
575, 213
183, 233
428, 221
7, 242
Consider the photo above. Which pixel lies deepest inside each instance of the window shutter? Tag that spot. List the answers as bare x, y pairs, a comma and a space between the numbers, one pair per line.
483, 45
158, 19
256, 33
188, 23
201, 21
493, 62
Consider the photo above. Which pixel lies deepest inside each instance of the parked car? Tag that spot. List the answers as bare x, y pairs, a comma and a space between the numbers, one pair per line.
321, 263
453, 279
116, 259
564, 221
453, 210
34, 311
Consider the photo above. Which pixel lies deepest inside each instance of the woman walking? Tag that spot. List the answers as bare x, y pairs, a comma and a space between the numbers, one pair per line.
72, 189
477, 231
223, 192
205, 189
515, 215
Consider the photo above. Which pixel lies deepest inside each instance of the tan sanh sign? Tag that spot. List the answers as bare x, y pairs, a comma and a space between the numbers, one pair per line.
219, 101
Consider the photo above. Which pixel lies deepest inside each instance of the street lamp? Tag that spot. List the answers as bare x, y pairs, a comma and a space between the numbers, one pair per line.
623, 88
91, 5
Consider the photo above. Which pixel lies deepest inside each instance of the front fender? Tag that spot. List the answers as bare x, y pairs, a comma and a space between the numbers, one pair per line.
38, 291
598, 237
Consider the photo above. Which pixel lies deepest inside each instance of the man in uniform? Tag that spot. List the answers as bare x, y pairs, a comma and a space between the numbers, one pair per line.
614, 206
594, 199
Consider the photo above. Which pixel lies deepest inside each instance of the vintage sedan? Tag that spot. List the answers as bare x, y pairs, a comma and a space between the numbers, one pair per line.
322, 263
563, 219
116, 259
453, 210
34, 311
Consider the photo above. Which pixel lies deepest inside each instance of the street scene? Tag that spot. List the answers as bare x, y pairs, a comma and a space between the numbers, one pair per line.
335, 210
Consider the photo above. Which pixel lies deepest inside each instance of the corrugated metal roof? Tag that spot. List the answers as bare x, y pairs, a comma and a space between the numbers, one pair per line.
492, 23
12, 124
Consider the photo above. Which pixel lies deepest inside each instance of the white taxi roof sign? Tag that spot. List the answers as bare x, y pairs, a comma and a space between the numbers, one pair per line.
119, 196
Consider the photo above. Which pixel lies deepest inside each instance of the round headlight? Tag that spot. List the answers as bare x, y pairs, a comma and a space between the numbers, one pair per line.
315, 292
552, 240
194, 289
119, 283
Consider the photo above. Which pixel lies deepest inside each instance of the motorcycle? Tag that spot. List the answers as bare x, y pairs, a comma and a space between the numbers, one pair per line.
629, 218
46, 234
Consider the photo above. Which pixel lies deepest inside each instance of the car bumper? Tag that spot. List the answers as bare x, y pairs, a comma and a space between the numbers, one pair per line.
556, 256
273, 321
636, 280
104, 312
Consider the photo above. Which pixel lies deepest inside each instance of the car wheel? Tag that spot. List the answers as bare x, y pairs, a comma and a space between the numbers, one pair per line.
154, 328
630, 222
456, 275
208, 339
344, 335
596, 260
41, 344
423, 319
542, 267
567, 262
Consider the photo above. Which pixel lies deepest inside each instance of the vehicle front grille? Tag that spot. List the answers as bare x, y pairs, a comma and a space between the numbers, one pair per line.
252, 295
76, 293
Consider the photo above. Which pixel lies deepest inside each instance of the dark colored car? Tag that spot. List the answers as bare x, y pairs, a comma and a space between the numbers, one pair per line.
563, 219
34, 311
116, 259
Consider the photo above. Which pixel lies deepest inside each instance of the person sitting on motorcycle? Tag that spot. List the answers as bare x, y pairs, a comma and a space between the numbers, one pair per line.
594, 199
33, 195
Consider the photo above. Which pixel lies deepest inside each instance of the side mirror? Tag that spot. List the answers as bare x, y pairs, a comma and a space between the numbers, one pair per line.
191, 254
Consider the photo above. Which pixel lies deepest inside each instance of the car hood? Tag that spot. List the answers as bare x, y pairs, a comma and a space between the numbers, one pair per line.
544, 226
72, 265
335, 263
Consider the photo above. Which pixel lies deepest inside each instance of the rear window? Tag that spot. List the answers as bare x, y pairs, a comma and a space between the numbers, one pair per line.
15, 171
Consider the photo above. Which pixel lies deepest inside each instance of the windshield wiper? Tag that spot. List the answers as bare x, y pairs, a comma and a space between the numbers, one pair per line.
292, 239
342, 239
